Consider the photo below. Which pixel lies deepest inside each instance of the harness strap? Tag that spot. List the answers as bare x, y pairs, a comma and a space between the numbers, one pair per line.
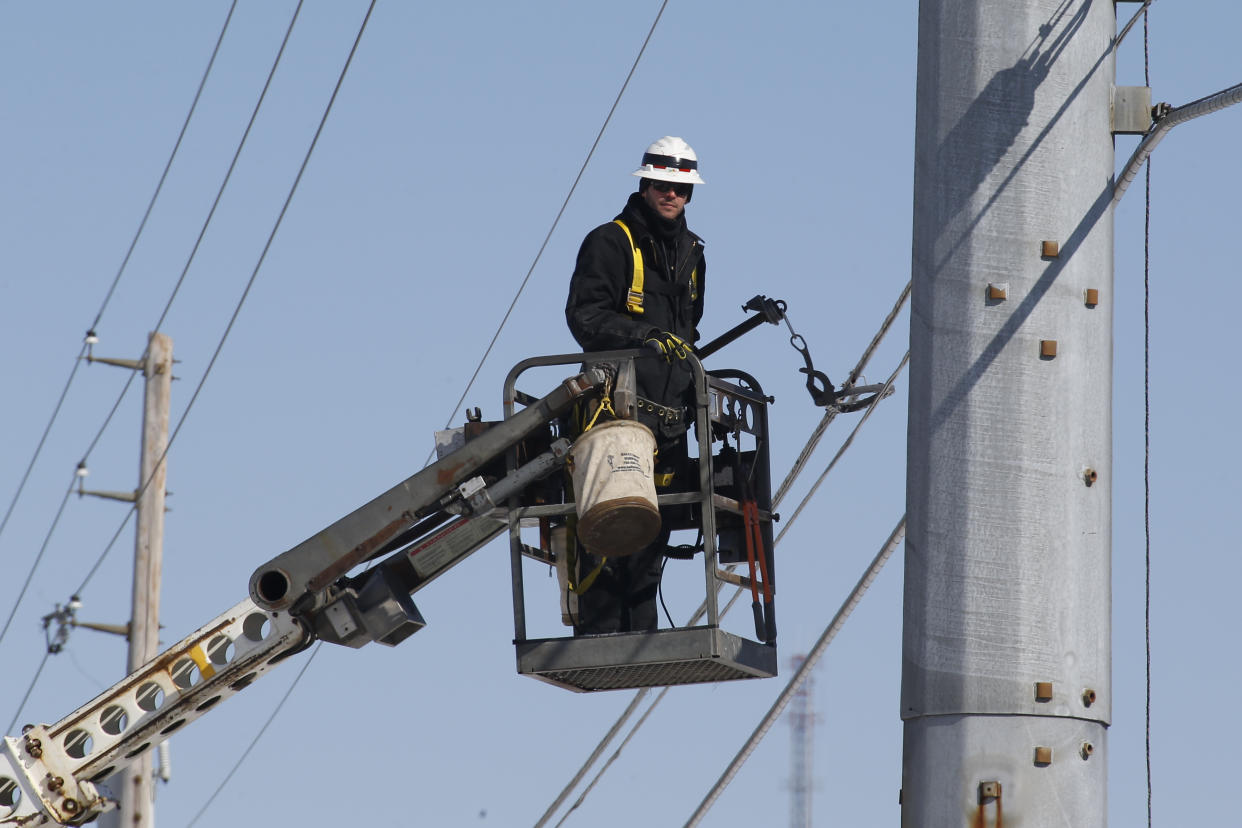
634, 299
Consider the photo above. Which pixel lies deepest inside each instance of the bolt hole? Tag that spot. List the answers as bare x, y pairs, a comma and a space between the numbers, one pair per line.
185, 673
208, 704
104, 774
220, 650
10, 794
114, 720
138, 751
256, 627
78, 744
150, 697
243, 682
172, 727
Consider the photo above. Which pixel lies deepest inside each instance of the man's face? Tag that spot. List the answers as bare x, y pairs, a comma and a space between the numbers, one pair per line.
664, 198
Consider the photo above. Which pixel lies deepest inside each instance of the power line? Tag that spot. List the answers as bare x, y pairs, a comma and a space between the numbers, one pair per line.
253, 276
257, 736
616, 753
254, 114
30, 689
851, 603
339, 81
167, 306
831, 413
77, 362
845, 445
39, 557
494, 338
228, 175
1147, 437
538, 255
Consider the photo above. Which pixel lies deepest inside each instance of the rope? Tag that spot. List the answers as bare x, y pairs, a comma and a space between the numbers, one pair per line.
851, 602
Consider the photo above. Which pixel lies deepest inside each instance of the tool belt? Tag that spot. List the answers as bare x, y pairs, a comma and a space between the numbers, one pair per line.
663, 413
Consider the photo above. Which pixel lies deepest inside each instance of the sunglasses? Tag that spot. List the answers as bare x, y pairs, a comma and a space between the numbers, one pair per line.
682, 190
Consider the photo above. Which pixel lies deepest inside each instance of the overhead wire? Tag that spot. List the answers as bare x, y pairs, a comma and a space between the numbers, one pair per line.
615, 754
790, 478
254, 114
809, 448
293, 189
1125, 30
782, 700
163, 315
253, 276
85, 349
1147, 439
257, 736
488, 351
556, 221
29, 689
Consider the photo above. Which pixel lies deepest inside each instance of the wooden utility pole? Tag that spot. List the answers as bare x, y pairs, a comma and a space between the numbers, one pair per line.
137, 786
1006, 692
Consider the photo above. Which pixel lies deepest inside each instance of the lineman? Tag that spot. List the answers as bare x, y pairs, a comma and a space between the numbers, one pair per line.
615, 304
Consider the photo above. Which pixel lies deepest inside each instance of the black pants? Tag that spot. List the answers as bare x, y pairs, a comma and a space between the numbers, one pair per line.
623, 595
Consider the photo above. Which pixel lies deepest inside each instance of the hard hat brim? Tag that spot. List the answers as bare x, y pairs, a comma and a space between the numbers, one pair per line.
666, 174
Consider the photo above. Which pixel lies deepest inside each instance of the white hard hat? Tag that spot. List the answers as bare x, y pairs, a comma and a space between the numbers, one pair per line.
670, 159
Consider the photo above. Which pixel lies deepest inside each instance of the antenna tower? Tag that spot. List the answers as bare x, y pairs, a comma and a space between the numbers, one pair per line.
801, 748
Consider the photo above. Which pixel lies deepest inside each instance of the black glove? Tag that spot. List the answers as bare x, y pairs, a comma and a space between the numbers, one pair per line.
668, 345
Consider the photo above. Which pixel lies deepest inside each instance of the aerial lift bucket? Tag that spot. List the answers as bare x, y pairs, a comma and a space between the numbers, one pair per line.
685, 655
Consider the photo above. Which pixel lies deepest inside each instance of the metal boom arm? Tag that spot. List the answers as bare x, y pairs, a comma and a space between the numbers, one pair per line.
49, 773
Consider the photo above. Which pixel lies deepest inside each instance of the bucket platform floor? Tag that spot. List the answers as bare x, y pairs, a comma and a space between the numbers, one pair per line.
617, 661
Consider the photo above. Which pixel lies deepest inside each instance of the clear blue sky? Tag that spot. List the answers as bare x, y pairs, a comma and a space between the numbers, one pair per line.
452, 145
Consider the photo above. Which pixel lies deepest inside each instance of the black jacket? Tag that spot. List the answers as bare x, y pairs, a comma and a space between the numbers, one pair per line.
596, 309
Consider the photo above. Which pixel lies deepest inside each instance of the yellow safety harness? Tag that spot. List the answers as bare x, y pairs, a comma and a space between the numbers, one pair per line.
634, 299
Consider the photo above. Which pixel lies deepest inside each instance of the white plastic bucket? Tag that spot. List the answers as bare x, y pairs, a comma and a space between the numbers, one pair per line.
614, 485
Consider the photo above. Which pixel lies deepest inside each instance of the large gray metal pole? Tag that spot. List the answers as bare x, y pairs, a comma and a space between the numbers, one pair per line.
1005, 676
136, 809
